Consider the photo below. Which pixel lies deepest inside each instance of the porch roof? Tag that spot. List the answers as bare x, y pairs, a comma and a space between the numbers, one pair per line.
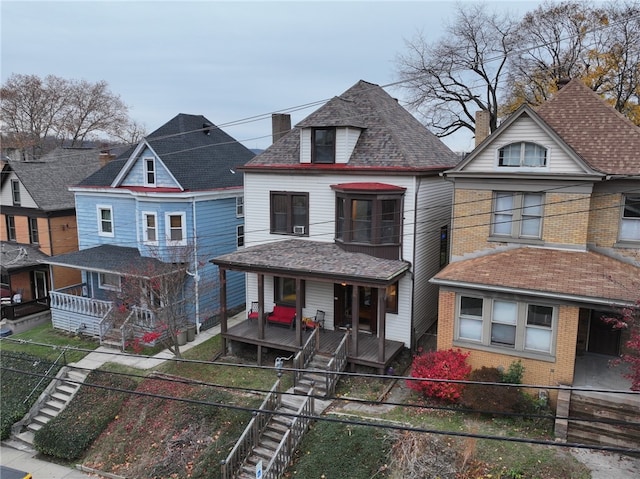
313, 259
16, 256
118, 260
583, 276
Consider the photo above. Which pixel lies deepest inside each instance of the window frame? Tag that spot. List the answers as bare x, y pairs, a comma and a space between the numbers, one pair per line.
278, 285
345, 222
34, 236
522, 158
392, 294
323, 153
150, 172
108, 285
102, 222
145, 227
239, 206
10, 221
168, 228
522, 327
15, 193
625, 221
289, 197
517, 213
240, 236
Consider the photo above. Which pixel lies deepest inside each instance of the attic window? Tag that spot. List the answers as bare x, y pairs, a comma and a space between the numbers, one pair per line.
150, 171
522, 154
323, 141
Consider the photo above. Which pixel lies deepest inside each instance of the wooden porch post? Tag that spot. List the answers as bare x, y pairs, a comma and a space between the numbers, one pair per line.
382, 302
298, 324
222, 274
355, 318
260, 315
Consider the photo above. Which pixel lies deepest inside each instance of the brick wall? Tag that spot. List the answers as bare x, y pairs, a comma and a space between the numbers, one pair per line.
471, 221
566, 218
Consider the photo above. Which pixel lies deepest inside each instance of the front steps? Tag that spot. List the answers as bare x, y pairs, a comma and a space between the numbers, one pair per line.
314, 374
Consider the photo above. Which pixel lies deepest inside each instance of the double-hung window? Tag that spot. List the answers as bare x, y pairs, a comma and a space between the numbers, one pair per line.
240, 236
630, 221
239, 206
33, 231
290, 213
517, 215
176, 229
105, 220
150, 171
109, 281
150, 227
323, 145
11, 227
501, 324
15, 192
522, 155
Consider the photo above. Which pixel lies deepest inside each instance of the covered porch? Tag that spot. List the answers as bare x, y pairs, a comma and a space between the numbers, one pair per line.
302, 262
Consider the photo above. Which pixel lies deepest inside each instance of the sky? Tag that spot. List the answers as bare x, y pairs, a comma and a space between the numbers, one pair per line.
227, 60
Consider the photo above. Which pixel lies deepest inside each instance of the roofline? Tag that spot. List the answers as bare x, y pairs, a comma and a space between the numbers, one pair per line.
531, 292
123, 190
311, 168
533, 176
102, 270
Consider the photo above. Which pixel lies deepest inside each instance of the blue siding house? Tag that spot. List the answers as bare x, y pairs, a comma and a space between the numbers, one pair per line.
149, 222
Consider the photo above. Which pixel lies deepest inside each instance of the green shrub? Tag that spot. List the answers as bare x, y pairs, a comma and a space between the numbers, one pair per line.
514, 374
70, 433
490, 397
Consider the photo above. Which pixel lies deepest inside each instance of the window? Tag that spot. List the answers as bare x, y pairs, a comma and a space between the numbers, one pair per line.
444, 246
368, 219
507, 325
33, 231
528, 155
392, 298
109, 281
150, 171
239, 206
150, 228
15, 192
630, 222
11, 227
517, 215
105, 220
176, 230
290, 213
284, 291
323, 141
240, 235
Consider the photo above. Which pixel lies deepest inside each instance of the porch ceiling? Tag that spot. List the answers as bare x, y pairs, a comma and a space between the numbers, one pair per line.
313, 259
583, 276
113, 259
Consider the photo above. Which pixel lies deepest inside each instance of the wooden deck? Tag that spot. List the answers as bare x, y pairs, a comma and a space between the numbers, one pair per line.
284, 339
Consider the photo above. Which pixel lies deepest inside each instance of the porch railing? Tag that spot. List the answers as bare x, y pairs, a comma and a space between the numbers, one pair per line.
138, 317
289, 442
15, 311
337, 364
305, 355
251, 436
64, 301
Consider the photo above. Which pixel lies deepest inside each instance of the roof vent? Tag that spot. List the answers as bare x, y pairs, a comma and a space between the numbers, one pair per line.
206, 128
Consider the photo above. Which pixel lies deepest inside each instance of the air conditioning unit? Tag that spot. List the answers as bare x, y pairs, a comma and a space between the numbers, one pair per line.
298, 230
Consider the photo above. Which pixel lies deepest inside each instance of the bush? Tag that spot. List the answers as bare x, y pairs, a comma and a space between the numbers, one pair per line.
443, 364
514, 373
489, 398
70, 433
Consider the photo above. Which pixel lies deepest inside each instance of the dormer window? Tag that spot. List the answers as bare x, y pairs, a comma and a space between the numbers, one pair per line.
150, 171
522, 154
323, 142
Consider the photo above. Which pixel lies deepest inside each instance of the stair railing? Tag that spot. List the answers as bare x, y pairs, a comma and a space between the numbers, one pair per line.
62, 355
305, 355
250, 438
290, 440
337, 364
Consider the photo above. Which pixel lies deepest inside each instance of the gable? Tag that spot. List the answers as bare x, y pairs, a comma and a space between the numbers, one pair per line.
561, 160
138, 172
6, 196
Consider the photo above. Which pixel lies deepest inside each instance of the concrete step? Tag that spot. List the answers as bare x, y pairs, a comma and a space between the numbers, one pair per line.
56, 404
66, 388
48, 412
77, 376
34, 426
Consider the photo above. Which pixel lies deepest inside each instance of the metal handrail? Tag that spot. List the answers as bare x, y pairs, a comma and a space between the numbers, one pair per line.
46, 374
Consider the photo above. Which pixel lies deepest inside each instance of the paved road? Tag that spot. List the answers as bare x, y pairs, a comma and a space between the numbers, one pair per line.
26, 461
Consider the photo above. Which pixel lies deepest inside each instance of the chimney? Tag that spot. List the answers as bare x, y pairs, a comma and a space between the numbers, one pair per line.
280, 125
562, 82
105, 155
483, 128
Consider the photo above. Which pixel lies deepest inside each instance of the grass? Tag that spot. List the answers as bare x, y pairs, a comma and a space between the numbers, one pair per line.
57, 342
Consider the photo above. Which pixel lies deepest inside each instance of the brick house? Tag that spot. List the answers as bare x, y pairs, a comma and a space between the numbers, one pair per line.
545, 238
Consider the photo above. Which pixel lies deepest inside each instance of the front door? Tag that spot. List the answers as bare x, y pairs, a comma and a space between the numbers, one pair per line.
603, 339
40, 288
368, 313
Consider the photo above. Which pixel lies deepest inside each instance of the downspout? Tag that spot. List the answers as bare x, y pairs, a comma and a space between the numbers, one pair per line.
413, 339
196, 276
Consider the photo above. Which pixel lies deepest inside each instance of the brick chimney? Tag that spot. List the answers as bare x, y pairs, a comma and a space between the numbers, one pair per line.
483, 128
280, 125
105, 155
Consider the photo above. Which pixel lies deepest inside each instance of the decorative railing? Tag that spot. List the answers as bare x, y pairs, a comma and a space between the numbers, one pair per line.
79, 304
250, 438
337, 364
290, 440
305, 355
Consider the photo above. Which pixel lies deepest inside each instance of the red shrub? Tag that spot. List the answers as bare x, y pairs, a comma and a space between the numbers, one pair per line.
444, 364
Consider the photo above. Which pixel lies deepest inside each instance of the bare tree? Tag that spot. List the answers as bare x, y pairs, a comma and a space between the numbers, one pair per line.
33, 109
450, 80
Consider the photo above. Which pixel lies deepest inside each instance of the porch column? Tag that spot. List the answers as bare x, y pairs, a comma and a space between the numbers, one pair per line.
382, 319
298, 324
260, 315
222, 274
355, 319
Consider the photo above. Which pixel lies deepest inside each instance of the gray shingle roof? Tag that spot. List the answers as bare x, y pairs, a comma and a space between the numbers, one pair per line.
47, 180
14, 256
111, 259
391, 136
314, 259
198, 154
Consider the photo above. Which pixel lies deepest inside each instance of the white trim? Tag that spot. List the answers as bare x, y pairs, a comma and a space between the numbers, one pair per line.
183, 227
108, 286
101, 232
240, 206
154, 170
145, 237
161, 196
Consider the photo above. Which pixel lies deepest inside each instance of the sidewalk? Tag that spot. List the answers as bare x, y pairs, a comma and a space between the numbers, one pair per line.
27, 461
